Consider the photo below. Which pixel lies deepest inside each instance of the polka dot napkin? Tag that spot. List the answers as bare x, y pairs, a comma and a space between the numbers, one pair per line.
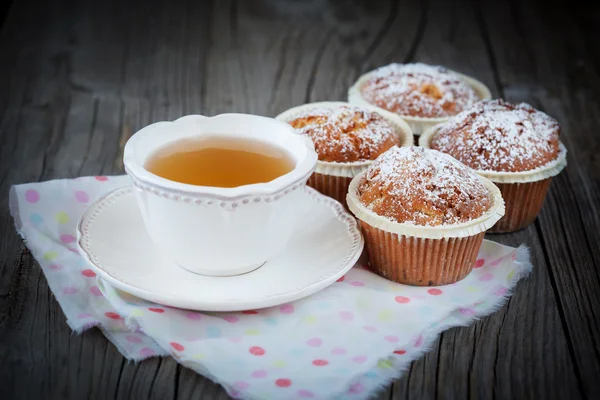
346, 341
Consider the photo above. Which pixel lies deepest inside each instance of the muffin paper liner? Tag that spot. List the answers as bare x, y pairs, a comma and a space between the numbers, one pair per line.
417, 124
420, 261
335, 187
523, 204
549, 170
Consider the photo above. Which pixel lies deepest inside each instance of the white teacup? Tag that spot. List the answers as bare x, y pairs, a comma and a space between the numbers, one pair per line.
220, 231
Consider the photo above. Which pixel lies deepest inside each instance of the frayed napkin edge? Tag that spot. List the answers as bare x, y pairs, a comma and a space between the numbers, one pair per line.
430, 335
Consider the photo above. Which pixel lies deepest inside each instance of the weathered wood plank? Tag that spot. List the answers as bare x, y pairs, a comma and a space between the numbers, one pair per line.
554, 79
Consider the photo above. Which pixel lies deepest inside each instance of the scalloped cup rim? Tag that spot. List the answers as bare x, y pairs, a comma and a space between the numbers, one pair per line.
135, 169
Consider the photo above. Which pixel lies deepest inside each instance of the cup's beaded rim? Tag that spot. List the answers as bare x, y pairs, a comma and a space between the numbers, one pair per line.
350, 169
469, 228
548, 170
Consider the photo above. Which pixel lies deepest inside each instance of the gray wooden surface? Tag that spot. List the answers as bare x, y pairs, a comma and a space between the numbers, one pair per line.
78, 77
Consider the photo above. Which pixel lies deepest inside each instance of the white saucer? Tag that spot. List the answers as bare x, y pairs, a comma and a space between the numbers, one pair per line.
112, 237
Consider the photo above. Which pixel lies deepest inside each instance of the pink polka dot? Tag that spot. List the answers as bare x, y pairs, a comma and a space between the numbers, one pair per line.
496, 262
88, 273
259, 373
133, 339
241, 385
359, 359
55, 267
419, 341
486, 277
249, 312
391, 338
346, 315
32, 196
73, 250
402, 299
434, 292
231, 319
400, 352
320, 363
95, 291
305, 393
177, 346
82, 196
84, 315
357, 283
101, 178
193, 315
314, 342
479, 263
70, 290
67, 238
235, 339
501, 291
341, 279
112, 315
338, 351
369, 328
356, 388
286, 309
146, 352
256, 350
467, 311
283, 382
156, 310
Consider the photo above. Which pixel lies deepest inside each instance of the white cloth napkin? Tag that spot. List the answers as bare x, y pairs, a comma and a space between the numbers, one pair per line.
346, 341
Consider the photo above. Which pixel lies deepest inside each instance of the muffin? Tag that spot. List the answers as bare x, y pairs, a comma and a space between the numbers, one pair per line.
423, 215
515, 146
423, 95
347, 139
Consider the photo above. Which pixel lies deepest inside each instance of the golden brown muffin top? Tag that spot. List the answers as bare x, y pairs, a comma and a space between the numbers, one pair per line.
415, 185
498, 136
346, 133
418, 90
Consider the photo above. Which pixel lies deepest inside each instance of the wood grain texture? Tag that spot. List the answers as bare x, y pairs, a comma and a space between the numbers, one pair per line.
80, 77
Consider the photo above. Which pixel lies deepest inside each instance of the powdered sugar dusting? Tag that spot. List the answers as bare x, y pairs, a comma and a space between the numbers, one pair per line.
346, 133
423, 187
418, 90
498, 136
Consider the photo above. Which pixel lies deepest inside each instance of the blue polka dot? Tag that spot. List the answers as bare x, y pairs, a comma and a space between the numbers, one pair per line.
371, 374
240, 363
36, 219
425, 310
325, 305
296, 352
271, 321
343, 371
213, 332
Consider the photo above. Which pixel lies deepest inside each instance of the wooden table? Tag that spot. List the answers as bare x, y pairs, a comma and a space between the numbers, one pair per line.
79, 77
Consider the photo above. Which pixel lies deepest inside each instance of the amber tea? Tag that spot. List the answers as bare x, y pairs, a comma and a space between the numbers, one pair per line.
219, 162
